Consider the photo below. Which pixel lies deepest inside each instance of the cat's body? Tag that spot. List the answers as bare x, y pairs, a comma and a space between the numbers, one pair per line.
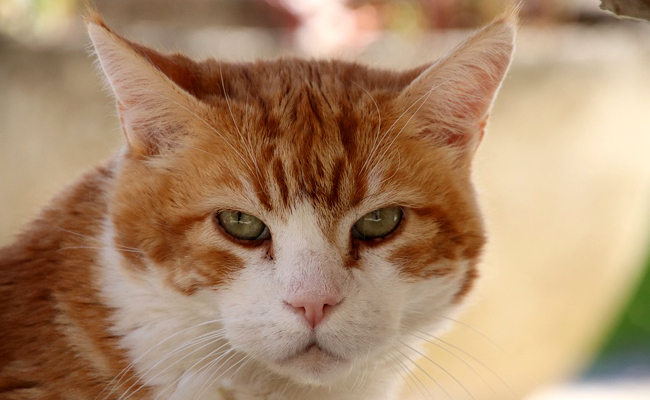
355, 228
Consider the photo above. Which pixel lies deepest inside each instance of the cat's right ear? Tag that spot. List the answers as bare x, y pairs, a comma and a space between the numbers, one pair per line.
154, 109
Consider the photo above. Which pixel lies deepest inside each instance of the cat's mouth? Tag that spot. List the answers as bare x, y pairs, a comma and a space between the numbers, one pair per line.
314, 364
312, 352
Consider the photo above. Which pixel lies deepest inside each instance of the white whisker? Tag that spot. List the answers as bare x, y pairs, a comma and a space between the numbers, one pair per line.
440, 367
198, 362
468, 365
135, 361
210, 381
93, 239
426, 98
484, 336
201, 119
97, 248
209, 341
503, 382
247, 147
417, 382
390, 128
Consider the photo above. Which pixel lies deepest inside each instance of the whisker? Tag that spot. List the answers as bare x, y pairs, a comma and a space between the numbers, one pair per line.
484, 336
205, 369
94, 239
459, 359
128, 367
503, 382
419, 367
360, 379
440, 367
201, 119
208, 337
286, 385
175, 382
77, 233
249, 140
149, 380
211, 382
376, 365
96, 248
465, 325
399, 165
428, 94
390, 129
218, 361
401, 374
232, 116
417, 382
256, 173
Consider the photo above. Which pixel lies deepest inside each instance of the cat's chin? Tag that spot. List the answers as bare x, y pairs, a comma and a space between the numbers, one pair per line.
314, 365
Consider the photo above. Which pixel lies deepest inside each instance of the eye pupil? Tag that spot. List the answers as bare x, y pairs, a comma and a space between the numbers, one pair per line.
378, 223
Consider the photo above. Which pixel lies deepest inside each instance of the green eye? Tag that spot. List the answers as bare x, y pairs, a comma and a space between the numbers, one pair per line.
377, 224
243, 226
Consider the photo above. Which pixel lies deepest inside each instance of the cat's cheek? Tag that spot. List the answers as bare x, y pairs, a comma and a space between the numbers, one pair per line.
155, 322
434, 300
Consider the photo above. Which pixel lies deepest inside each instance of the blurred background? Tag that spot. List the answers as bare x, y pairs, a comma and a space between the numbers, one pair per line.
563, 307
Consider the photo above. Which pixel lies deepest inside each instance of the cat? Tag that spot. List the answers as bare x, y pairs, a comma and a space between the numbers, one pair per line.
270, 230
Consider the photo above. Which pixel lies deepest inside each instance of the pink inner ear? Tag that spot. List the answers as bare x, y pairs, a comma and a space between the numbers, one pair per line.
144, 137
481, 126
120, 113
141, 146
457, 139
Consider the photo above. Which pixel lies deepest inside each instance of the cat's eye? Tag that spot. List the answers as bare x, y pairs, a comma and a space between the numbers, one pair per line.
243, 226
378, 223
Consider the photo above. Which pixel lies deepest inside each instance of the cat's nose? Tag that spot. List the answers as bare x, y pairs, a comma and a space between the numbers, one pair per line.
313, 308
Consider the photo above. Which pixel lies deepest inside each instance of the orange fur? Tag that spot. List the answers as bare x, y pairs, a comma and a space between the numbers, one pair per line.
206, 136
55, 342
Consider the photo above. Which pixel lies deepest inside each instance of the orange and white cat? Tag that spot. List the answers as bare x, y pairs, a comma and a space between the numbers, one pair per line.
270, 230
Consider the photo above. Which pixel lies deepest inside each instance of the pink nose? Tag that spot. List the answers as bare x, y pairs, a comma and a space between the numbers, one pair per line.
313, 308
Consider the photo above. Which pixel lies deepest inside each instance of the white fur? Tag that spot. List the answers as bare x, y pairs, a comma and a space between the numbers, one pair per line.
260, 333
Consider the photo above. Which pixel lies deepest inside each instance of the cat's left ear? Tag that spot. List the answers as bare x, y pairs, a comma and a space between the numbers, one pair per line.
449, 102
152, 90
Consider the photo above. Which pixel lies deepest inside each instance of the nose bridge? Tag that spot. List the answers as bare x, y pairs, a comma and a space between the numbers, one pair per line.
308, 267
305, 259
316, 271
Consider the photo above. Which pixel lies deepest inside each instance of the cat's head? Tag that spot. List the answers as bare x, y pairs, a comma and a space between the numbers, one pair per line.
322, 211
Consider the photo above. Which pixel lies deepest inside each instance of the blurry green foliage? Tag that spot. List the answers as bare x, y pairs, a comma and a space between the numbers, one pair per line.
632, 333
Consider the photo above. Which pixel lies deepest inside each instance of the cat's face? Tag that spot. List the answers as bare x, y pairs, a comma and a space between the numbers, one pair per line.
243, 187
308, 185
